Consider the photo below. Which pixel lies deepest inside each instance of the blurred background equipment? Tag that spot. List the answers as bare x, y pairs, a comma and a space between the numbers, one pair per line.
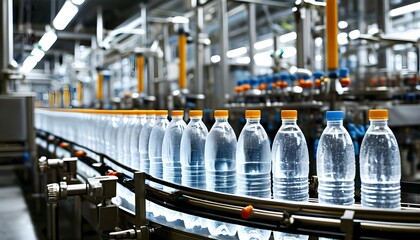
105, 57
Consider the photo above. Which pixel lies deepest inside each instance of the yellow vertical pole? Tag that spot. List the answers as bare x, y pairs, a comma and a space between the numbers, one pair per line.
79, 91
66, 96
51, 99
58, 98
182, 51
332, 31
140, 73
99, 87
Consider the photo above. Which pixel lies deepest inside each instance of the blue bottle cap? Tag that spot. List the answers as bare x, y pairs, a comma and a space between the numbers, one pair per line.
239, 82
253, 81
245, 81
284, 76
261, 79
293, 77
343, 72
318, 74
334, 115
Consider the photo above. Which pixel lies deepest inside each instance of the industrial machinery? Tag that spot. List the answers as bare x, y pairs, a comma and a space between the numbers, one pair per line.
307, 55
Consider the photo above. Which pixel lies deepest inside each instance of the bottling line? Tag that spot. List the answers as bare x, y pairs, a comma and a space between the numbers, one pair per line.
80, 79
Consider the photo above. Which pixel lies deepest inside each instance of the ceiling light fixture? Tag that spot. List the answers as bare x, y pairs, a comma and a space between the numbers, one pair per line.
404, 9
65, 15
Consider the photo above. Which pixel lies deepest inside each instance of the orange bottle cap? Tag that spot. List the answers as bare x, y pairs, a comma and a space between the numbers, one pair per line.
378, 114
177, 113
317, 83
221, 113
196, 113
289, 114
150, 112
283, 84
252, 114
161, 112
345, 82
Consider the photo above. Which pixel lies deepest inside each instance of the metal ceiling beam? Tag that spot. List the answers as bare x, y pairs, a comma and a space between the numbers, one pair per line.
67, 35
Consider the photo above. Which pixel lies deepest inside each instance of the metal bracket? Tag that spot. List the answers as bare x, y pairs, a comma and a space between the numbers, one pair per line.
347, 224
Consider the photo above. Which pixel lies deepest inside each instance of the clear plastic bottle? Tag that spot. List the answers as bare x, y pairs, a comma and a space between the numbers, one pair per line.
336, 166
290, 165
380, 164
253, 168
220, 163
192, 160
135, 139
155, 153
144, 163
121, 135
171, 156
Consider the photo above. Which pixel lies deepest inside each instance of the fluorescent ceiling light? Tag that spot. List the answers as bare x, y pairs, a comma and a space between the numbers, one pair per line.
342, 24
288, 37
318, 58
318, 41
38, 54
243, 60
263, 59
289, 52
263, 44
236, 52
215, 59
29, 64
180, 19
354, 34
342, 38
47, 40
404, 9
65, 15
78, 2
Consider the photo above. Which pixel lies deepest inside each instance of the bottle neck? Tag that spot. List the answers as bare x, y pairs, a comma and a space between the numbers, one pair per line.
252, 120
150, 117
161, 117
195, 119
381, 122
335, 123
177, 118
289, 121
221, 119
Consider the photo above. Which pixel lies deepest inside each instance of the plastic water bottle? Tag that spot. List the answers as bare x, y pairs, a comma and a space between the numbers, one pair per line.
135, 129
144, 163
155, 153
171, 156
380, 164
290, 165
192, 160
335, 162
253, 168
220, 153
121, 135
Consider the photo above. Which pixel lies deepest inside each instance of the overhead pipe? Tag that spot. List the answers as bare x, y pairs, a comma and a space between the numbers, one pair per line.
182, 52
51, 99
332, 49
140, 73
99, 86
79, 92
332, 32
66, 96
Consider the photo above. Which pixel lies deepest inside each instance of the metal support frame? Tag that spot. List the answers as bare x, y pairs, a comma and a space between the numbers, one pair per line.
199, 50
6, 42
383, 19
304, 40
99, 26
252, 22
219, 84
